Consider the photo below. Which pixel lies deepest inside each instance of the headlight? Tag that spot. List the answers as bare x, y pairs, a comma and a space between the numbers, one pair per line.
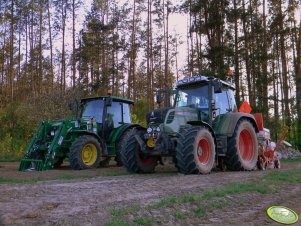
52, 132
149, 130
158, 129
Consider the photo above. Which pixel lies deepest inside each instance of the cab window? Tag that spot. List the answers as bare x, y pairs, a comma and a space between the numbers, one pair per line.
114, 113
221, 102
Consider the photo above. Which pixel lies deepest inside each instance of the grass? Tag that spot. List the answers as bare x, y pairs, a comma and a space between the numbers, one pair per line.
118, 212
200, 212
114, 174
211, 200
20, 181
180, 214
117, 222
235, 188
290, 176
298, 159
143, 221
73, 177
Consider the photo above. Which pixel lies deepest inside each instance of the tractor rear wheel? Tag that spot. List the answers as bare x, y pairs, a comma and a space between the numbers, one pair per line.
85, 153
133, 158
195, 151
242, 151
120, 143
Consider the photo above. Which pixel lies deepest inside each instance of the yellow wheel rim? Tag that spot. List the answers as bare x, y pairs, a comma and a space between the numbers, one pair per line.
89, 154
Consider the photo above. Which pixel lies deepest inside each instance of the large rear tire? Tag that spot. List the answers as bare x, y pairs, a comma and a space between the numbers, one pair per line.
85, 153
195, 151
133, 158
120, 143
242, 153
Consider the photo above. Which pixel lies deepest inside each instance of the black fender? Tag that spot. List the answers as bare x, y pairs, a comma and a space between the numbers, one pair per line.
79, 133
225, 124
127, 127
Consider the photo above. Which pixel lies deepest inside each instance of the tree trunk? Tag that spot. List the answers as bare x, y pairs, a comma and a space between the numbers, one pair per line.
298, 88
51, 46
284, 68
63, 58
11, 53
73, 45
236, 57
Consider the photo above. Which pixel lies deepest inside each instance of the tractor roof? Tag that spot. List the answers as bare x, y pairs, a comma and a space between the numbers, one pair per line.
114, 98
200, 79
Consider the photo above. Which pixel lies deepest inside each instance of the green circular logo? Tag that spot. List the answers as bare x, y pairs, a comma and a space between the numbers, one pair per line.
282, 214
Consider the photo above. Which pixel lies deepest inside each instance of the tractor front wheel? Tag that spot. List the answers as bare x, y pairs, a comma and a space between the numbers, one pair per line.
242, 151
85, 153
195, 151
133, 158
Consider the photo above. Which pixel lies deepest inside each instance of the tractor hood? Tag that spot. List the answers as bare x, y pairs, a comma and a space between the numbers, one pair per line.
179, 116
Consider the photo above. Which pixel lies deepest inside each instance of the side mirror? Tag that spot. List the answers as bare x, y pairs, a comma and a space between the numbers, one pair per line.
218, 87
108, 101
158, 98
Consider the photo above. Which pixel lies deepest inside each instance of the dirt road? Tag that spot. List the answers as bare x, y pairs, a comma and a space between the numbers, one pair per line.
91, 201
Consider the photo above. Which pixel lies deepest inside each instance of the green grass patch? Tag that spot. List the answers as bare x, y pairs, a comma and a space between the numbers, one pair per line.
172, 200
200, 212
218, 204
20, 181
290, 176
180, 215
298, 159
236, 188
119, 212
117, 222
114, 174
9, 159
143, 221
73, 177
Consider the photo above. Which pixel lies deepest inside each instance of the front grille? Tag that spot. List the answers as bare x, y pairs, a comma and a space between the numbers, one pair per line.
170, 117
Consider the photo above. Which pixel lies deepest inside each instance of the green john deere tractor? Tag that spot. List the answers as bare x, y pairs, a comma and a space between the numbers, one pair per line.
89, 141
202, 129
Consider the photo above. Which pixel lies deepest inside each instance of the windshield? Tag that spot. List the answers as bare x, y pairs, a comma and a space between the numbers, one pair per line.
193, 97
93, 108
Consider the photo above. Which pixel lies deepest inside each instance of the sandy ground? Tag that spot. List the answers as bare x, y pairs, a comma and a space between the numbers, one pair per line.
88, 201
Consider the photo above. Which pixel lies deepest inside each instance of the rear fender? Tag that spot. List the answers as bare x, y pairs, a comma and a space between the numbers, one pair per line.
225, 124
117, 134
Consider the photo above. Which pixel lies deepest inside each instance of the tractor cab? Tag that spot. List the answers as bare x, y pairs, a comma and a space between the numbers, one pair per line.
210, 97
107, 112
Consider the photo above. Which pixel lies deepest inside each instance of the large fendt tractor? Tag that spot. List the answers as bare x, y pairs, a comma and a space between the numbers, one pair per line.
88, 141
203, 127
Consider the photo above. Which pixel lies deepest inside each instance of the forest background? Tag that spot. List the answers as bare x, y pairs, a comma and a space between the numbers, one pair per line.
130, 48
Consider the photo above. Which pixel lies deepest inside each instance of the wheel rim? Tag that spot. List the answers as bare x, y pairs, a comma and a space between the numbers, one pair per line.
246, 145
89, 154
203, 151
